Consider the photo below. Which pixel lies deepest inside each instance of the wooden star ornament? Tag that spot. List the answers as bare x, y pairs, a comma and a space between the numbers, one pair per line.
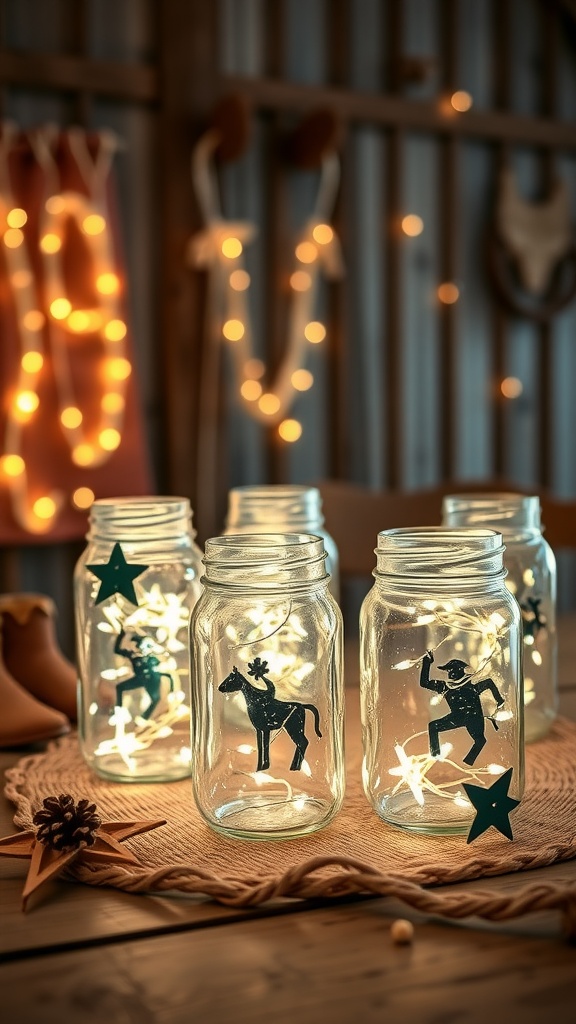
68, 831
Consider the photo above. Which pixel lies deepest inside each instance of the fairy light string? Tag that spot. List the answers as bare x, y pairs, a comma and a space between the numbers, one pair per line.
23, 399
220, 248
56, 323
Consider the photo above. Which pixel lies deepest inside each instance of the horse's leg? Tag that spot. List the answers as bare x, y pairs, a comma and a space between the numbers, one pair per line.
294, 726
263, 741
265, 748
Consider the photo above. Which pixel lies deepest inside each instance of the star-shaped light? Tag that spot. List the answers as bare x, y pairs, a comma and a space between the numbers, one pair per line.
47, 862
117, 576
493, 806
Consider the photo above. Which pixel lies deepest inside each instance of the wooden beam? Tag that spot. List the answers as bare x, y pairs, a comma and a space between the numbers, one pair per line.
397, 111
123, 81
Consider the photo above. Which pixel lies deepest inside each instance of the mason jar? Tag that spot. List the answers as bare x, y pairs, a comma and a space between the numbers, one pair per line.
282, 508
267, 690
440, 677
531, 577
134, 587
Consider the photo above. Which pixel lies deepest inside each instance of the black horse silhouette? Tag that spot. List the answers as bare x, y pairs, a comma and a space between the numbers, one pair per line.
266, 713
463, 699
145, 667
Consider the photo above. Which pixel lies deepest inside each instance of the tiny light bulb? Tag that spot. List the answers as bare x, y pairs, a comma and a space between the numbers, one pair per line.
306, 252
314, 332
511, 387
32, 362
13, 237
231, 247
412, 225
118, 369
269, 403
461, 100
55, 205
50, 243
233, 330
16, 218
251, 390
112, 402
21, 278
448, 293
290, 430
93, 224
83, 497
60, 308
83, 455
115, 330
300, 280
27, 401
302, 380
12, 465
44, 508
239, 280
109, 439
323, 234
71, 417
107, 283
33, 320
78, 321
254, 368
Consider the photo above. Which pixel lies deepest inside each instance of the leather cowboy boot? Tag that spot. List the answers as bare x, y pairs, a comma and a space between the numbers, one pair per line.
31, 651
24, 719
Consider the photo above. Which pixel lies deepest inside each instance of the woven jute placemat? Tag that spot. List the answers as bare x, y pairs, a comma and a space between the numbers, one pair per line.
357, 852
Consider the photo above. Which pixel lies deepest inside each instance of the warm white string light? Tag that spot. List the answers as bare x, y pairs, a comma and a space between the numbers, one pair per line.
220, 248
34, 514
59, 319
105, 319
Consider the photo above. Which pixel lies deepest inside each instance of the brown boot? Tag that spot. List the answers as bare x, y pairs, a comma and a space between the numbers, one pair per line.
31, 651
24, 719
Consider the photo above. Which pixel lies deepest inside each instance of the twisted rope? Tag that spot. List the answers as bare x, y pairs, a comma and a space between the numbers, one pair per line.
302, 882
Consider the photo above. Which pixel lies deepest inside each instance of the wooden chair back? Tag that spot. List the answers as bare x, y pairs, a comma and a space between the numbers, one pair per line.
354, 515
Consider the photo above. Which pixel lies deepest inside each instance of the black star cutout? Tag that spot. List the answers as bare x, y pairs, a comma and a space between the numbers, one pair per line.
117, 576
493, 806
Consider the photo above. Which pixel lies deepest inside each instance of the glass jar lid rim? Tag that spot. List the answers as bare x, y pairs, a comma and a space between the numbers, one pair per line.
141, 499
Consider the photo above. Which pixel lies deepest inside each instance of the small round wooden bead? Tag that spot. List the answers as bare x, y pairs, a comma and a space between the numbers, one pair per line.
401, 932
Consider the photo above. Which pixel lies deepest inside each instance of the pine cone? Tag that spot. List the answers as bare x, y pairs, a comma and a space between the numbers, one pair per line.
64, 825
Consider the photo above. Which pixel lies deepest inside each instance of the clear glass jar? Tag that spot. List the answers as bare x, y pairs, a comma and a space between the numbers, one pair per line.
134, 586
266, 657
282, 508
531, 567
440, 677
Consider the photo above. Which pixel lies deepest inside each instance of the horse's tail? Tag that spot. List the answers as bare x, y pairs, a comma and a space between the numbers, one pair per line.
314, 710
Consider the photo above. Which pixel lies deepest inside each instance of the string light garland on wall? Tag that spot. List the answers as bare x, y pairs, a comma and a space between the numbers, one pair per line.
50, 327
220, 248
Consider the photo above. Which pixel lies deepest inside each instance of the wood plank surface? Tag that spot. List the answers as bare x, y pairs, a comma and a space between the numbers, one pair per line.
335, 964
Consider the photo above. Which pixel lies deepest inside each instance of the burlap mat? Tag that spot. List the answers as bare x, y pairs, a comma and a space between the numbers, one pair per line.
356, 853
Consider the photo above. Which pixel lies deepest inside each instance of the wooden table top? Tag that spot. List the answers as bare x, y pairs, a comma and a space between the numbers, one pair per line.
85, 955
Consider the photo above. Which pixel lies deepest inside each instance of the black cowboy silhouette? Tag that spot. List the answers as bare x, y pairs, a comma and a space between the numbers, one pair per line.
145, 666
463, 698
532, 618
266, 713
